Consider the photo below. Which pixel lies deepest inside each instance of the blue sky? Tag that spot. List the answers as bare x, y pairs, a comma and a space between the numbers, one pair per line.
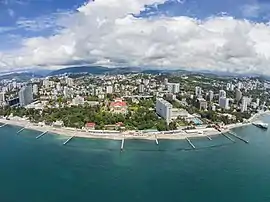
80, 30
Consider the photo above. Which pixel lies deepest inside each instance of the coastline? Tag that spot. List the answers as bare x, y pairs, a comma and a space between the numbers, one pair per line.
174, 135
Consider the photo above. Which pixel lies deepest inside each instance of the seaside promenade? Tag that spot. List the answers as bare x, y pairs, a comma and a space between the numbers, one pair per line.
116, 135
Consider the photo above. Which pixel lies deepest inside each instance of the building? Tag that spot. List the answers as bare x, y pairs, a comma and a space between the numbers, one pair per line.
13, 102
238, 95
258, 102
146, 82
141, 88
211, 95
232, 87
14, 84
239, 85
109, 89
166, 81
202, 103
174, 87
164, 109
46, 83
222, 94
69, 81
118, 106
224, 103
90, 126
228, 86
26, 95
78, 100
2, 97
198, 91
35, 89
58, 87
68, 93
244, 104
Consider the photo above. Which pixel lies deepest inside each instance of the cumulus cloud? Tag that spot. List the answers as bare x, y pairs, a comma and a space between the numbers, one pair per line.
106, 32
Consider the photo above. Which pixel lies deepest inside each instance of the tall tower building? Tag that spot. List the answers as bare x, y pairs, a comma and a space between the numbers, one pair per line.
198, 91
211, 95
26, 95
35, 89
222, 94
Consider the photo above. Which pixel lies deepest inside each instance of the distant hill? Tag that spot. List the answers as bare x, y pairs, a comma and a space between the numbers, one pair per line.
80, 69
20, 76
94, 70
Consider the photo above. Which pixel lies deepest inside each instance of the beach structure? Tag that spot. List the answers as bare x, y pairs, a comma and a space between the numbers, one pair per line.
122, 144
3, 125
69, 139
190, 143
156, 139
20, 130
240, 138
39, 136
228, 137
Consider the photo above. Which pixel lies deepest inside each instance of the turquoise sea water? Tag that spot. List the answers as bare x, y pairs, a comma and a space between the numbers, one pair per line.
43, 170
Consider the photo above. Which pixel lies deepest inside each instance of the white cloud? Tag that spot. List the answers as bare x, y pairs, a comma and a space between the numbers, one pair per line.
104, 32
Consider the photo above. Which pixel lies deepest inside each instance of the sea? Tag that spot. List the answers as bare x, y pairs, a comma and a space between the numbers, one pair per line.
84, 170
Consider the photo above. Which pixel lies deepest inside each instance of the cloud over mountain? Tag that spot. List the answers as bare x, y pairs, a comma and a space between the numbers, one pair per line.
110, 33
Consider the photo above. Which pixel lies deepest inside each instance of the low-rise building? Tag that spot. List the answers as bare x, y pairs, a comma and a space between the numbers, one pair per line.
118, 106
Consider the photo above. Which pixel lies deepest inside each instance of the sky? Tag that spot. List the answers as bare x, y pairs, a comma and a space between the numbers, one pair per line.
229, 36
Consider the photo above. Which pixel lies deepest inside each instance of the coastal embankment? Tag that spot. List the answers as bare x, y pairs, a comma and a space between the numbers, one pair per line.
202, 131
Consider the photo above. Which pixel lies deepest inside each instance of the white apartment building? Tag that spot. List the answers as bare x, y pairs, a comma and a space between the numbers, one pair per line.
164, 109
174, 87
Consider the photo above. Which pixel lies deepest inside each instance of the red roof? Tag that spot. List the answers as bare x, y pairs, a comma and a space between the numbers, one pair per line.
90, 125
118, 104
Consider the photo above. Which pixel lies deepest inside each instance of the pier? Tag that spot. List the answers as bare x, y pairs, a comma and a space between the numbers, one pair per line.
228, 137
122, 144
68, 140
156, 140
240, 138
190, 143
39, 136
3, 125
20, 130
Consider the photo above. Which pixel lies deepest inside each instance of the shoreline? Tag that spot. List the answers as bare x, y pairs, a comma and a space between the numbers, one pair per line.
174, 135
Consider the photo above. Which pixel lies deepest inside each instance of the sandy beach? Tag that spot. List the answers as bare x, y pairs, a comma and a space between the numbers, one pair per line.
171, 135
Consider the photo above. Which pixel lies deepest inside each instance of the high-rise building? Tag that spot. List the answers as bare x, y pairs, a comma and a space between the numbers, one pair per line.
35, 89
258, 102
58, 86
244, 104
166, 81
231, 87
146, 82
46, 83
224, 103
164, 109
2, 97
14, 84
174, 87
198, 91
238, 95
26, 95
109, 89
66, 92
239, 85
228, 86
141, 88
222, 94
211, 95
69, 81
